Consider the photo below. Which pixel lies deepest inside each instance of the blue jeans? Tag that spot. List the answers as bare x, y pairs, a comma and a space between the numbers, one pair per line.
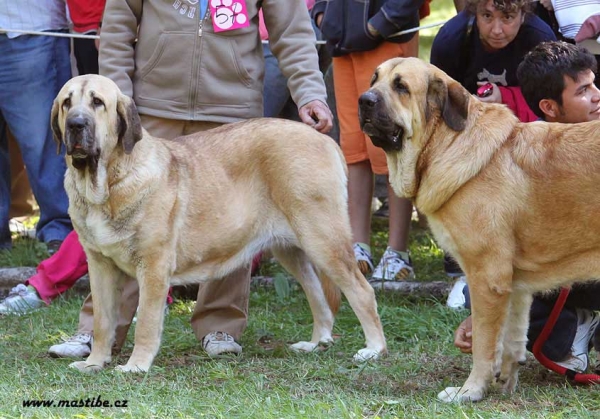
276, 96
33, 70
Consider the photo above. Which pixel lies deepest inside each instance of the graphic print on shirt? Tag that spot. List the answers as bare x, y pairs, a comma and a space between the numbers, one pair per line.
186, 7
500, 79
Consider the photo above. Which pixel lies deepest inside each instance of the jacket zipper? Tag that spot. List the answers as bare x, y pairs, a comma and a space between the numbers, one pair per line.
194, 87
203, 20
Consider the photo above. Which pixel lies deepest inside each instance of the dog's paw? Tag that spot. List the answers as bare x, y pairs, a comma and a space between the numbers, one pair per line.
460, 394
304, 347
131, 368
84, 366
366, 354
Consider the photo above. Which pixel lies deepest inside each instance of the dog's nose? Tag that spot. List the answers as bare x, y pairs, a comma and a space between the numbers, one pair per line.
77, 123
368, 99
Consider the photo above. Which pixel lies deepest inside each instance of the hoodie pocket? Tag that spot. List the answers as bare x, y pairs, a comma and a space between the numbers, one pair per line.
224, 73
161, 74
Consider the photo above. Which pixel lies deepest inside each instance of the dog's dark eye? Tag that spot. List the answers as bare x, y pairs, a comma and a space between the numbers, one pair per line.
67, 103
373, 79
399, 86
97, 102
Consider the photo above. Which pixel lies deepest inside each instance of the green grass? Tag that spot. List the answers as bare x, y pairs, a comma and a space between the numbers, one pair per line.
270, 381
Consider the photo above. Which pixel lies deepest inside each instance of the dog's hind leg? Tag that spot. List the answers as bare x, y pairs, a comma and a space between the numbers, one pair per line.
490, 302
105, 279
296, 262
154, 287
338, 264
515, 340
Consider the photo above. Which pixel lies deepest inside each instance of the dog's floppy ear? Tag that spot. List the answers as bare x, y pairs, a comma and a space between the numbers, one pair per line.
130, 127
56, 132
452, 99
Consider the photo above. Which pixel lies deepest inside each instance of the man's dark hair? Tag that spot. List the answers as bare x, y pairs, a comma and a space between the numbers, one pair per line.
506, 6
541, 73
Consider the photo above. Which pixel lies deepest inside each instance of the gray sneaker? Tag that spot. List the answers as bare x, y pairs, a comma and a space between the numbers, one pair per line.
220, 343
22, 299
363, 259
392, 267
78, 346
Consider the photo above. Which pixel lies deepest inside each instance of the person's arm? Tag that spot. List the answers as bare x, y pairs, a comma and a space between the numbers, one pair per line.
117, 40
448, 45
293, 42
395, 16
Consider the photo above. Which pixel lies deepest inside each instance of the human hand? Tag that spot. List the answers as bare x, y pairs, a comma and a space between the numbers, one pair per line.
317, 115
463, 337
495, 97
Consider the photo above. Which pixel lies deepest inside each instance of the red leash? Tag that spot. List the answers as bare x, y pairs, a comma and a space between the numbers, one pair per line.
578, 377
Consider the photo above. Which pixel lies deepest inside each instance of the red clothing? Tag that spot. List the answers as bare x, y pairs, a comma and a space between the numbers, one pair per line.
58, 273
86, 14
513, 98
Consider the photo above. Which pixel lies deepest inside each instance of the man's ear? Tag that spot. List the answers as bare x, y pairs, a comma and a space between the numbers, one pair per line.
550, 108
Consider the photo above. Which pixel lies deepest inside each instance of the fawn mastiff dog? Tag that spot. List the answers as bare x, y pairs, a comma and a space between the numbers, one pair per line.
516, 204
198, 207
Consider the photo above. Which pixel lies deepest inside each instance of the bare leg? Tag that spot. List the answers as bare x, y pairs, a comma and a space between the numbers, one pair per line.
360, 196
399, 222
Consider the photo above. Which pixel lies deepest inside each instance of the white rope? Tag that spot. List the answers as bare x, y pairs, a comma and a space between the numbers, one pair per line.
57, 34
79, 35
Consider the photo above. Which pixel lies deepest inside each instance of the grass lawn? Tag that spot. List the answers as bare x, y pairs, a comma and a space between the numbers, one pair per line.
268, 380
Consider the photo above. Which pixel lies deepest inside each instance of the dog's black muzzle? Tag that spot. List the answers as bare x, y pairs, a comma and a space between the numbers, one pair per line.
80, 139
376, 123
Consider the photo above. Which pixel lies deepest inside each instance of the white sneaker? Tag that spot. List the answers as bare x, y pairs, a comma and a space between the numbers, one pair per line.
220, 343
576, 363
456, 298
392, 267
364, 260
78, 346
21, 299
587, 321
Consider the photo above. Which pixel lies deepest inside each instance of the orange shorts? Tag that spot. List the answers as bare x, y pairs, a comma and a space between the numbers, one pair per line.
351, 77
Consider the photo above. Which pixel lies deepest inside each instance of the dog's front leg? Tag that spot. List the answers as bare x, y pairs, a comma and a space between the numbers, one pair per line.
490, 303
105, 279
154, 287
515, 340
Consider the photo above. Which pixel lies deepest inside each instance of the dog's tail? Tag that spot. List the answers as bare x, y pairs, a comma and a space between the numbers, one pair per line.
332, 292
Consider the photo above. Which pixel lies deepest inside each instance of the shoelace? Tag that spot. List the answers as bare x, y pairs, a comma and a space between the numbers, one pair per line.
80, 337
20, 289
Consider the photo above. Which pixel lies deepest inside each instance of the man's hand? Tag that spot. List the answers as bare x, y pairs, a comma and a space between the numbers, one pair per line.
317, 115
463, 337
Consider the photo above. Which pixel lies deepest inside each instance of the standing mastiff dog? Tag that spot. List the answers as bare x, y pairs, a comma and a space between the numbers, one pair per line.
198, 207
516, 204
